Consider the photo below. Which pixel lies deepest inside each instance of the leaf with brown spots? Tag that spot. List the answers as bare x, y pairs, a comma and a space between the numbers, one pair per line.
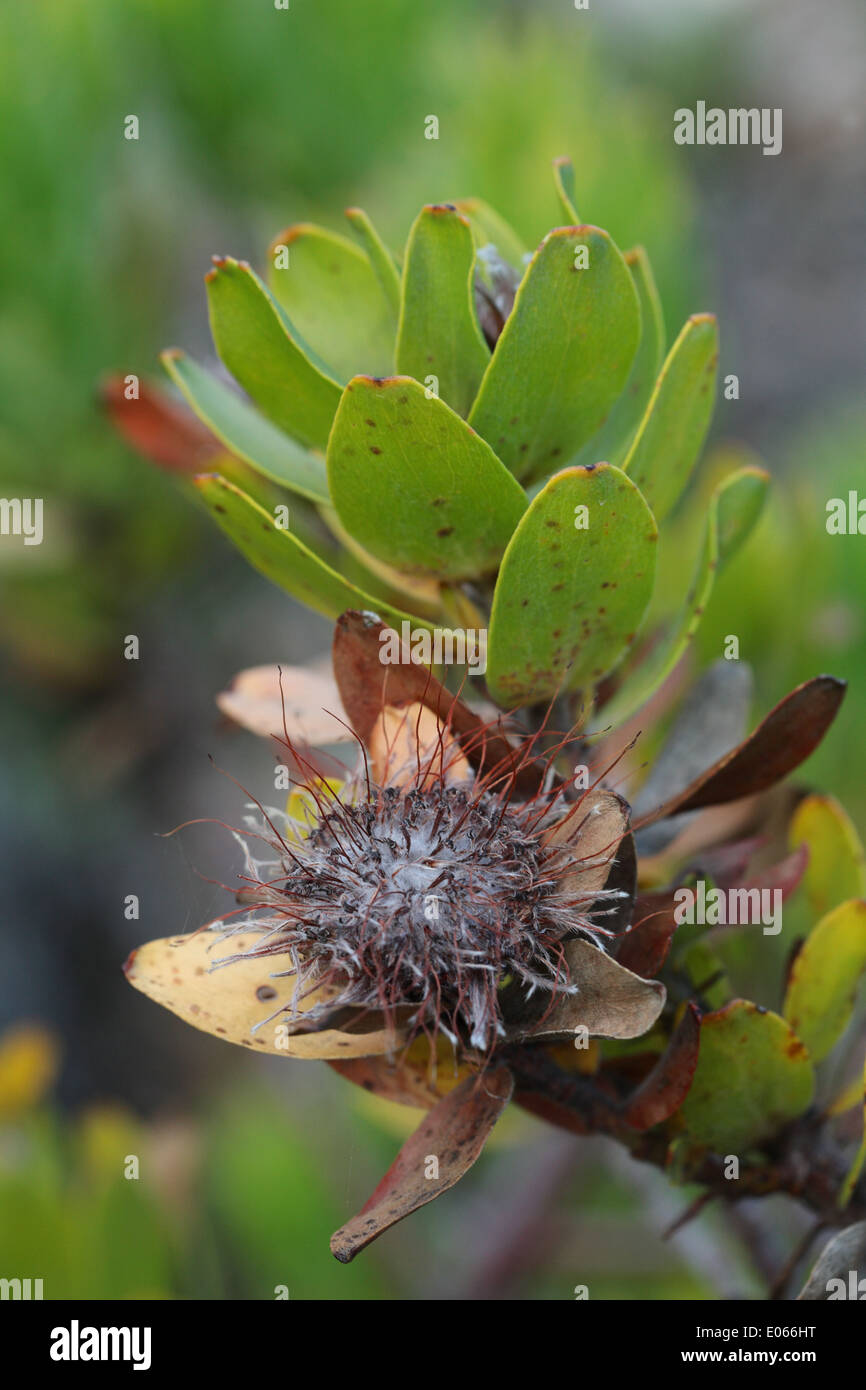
573, 586
235, 1001
454, 1133
753, 1076
790, 732
414, 485
564, 354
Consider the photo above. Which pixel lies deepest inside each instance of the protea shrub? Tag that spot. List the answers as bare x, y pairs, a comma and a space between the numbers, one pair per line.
480, 886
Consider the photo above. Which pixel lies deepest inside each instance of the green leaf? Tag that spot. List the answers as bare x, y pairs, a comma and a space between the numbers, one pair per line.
663, 657
265, 355
438, 332
563, 177
753, 1075
282, 558
381, 259
836, 870
569, 599
334, 299
738, 499
246, 433
853, 1174
489, 228
708, 975
563, 356
677, 417
613, 439
415, 485
824, 977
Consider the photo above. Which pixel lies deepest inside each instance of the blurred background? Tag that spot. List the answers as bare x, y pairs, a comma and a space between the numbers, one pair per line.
251, 118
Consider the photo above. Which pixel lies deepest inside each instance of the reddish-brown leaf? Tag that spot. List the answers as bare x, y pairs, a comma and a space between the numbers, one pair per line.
644, 948
454, 1132
667, 1085
790, 732
156, 427
366, 684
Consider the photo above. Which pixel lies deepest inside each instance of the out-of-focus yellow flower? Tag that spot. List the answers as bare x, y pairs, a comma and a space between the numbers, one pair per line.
29, 1061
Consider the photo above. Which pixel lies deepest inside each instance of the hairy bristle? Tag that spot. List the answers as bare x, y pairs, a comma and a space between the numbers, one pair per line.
420, 899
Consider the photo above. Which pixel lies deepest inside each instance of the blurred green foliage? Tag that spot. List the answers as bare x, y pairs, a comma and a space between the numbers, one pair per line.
236, 1203
249, 118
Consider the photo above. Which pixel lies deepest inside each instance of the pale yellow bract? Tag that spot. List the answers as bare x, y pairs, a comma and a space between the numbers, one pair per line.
230, 1001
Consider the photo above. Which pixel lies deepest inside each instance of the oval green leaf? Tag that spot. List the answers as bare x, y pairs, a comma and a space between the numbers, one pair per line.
570, 597
334, 299
824, 977
439, 333
836, 870
615, 436
265, 355
564, 354
753, 1075
675, 424
415, 485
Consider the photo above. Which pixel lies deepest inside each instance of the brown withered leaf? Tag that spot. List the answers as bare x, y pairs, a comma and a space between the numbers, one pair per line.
589, 834
644, 947
408, 1079
610, 1002
366, 684
710, 722
790, 732
666, 1087
156, 427
454, 1132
